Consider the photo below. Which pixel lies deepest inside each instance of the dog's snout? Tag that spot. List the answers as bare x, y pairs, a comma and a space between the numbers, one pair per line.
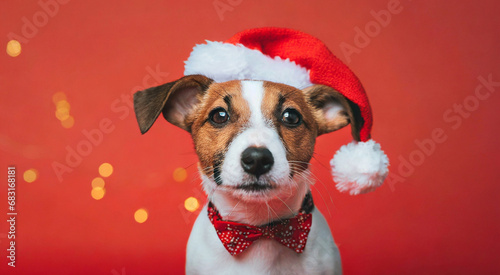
257, 160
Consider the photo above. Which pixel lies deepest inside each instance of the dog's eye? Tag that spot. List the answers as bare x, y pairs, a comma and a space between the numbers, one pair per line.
218, 116
291, 118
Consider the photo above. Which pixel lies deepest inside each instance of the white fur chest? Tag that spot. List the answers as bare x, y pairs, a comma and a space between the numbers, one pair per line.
207, 255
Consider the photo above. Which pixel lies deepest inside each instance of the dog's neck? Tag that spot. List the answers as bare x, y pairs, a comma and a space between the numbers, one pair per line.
282, 206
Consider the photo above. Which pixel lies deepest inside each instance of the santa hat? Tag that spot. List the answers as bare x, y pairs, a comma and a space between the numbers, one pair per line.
298, 59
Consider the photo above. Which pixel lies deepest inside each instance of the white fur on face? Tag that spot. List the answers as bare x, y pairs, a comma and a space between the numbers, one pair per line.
258, 133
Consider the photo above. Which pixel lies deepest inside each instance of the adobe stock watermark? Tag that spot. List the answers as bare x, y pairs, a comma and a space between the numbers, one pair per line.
454, 118
11, 214
48, 9
223, 6
123, 107
363, 37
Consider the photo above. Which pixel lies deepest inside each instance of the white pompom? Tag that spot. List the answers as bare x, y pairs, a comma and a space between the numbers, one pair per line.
359, 167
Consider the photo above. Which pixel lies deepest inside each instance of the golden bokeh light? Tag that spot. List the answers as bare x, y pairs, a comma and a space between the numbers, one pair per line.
141, 215
98, 182
62, 110
13, 48
62, 114
97, 193
105, 170
30, 175
191, 204
63, 105
180, 174
68, 123
57, 97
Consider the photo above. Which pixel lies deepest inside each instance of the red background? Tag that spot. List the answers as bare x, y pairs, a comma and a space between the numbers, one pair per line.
438, 215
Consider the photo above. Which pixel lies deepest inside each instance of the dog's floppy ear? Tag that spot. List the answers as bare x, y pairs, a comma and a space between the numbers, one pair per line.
176, 100
333, 111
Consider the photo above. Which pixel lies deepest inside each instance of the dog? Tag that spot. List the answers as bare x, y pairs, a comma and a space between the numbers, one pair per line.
254, 106
254, 141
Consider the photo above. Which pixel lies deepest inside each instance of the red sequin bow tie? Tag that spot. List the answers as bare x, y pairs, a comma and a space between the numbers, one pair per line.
236, 237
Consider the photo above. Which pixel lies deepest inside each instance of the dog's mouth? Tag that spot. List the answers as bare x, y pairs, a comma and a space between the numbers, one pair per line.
255, 187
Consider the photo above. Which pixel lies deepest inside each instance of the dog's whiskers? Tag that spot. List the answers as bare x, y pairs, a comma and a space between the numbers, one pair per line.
291, 211
323, 199
270, 209
234, 207
307, 175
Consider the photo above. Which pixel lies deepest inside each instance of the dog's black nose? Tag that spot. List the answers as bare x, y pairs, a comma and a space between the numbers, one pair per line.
257, 160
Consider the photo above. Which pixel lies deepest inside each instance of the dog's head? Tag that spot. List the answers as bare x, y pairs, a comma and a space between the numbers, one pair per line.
254, 139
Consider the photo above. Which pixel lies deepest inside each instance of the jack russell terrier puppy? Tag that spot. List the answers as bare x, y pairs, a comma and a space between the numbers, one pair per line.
254, 140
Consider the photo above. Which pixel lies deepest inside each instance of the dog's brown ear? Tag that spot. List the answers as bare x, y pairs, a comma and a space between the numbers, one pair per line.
333, 111
176, 100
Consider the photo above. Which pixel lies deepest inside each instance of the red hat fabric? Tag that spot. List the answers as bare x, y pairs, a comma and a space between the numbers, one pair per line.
312, 54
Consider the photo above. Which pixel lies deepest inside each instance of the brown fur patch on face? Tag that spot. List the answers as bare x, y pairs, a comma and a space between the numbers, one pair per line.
299, 141
211, 141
